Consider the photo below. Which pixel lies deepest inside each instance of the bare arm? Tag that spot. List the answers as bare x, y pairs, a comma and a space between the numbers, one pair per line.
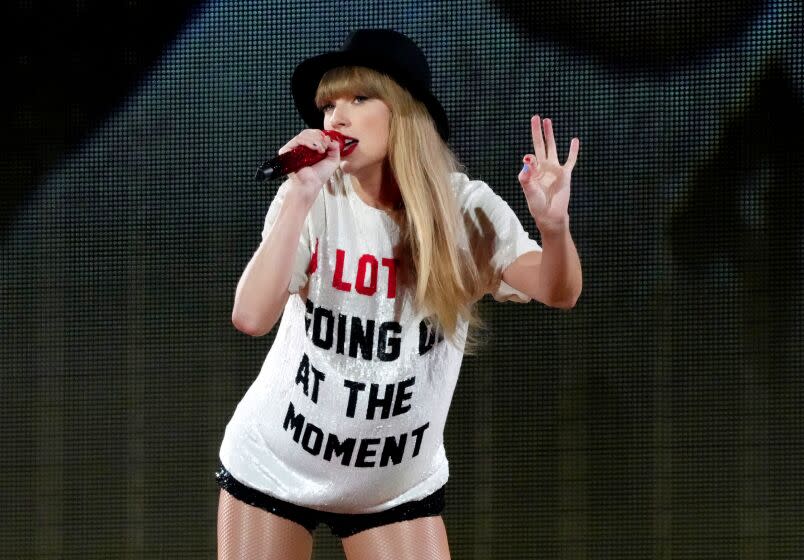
262, 291
554, 276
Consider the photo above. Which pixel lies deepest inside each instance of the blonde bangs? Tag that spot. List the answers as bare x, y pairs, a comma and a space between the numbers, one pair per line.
351, 80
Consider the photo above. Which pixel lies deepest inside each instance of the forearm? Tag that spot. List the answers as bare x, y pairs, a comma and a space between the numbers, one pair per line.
560, 277
263, 288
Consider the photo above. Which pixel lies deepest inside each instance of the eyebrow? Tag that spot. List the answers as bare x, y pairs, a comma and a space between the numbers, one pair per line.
328, 100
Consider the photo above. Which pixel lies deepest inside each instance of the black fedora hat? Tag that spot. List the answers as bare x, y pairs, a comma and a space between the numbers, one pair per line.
384, 50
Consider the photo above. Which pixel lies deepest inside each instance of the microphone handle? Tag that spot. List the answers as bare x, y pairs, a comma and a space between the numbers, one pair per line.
289, 162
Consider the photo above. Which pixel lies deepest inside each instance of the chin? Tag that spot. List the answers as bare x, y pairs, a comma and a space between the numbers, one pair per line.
348, 167
352, 167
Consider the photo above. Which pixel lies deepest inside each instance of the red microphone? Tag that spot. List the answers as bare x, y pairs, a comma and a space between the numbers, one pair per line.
302, 156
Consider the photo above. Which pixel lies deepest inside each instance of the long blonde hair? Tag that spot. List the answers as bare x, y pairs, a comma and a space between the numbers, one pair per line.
447, 280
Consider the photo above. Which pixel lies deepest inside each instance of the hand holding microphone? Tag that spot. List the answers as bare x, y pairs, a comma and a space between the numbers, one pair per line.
307, 149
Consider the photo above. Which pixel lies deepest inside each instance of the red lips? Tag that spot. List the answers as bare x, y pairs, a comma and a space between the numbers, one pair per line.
348, 144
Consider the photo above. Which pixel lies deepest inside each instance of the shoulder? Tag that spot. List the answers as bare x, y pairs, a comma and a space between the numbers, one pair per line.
474, 195
470, 192
460, 182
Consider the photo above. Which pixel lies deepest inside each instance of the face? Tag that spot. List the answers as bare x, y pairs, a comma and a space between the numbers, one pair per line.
366, 118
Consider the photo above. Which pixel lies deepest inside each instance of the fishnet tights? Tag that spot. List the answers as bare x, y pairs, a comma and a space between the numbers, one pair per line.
249, 533
424, 538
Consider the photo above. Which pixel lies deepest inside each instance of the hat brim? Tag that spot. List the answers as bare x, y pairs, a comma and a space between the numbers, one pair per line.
308, 74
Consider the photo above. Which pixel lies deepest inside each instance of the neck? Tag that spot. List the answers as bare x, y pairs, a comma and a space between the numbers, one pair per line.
378, 188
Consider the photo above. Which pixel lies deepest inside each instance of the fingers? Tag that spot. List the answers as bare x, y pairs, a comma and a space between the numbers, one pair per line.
312, 138
575, 146
550, 140
531, 169
316, 140
545, 145
525, 173
333, 149
538, 141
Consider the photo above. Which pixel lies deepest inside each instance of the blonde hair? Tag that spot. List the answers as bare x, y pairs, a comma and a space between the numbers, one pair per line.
447, 280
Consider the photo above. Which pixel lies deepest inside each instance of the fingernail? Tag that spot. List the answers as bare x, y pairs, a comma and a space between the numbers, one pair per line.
525, 169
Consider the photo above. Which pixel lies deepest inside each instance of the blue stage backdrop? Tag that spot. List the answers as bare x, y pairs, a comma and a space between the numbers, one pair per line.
660, 418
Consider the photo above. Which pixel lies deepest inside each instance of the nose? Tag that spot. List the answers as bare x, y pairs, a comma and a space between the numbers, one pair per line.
339, 116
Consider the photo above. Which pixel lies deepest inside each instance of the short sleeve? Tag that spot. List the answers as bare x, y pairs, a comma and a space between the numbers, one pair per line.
301, 263
495, 233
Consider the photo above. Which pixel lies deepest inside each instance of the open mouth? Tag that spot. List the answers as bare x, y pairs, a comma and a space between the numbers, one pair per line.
349, 144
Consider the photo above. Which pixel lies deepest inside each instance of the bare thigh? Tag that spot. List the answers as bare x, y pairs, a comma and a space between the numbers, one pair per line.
424, 538
246, 532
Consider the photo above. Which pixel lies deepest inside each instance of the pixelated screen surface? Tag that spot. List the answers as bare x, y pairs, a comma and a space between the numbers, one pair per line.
659, 418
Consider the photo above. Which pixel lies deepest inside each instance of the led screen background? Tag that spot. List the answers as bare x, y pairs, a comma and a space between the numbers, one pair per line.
660, 418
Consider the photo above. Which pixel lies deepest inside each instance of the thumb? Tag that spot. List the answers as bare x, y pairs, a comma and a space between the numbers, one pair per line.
334, 151
528, 169
524, 174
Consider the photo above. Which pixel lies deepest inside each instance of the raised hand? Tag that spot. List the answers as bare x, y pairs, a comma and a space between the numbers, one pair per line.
545, 182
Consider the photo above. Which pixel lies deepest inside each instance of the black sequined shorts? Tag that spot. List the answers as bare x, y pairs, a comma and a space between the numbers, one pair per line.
340, 524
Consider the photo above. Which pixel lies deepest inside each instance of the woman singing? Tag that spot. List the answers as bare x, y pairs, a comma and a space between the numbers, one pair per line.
375, 259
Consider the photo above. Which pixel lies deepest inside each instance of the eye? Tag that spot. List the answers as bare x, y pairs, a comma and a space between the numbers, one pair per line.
325, 107
361, 98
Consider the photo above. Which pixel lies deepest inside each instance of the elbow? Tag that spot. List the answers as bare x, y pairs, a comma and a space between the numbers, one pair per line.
255, 318
567, 301
565, 304
249, 325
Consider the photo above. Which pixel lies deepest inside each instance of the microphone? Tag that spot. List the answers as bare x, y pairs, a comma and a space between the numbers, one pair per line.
301, 156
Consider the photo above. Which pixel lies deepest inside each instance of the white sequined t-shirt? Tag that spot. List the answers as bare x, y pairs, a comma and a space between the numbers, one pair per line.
348, 411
